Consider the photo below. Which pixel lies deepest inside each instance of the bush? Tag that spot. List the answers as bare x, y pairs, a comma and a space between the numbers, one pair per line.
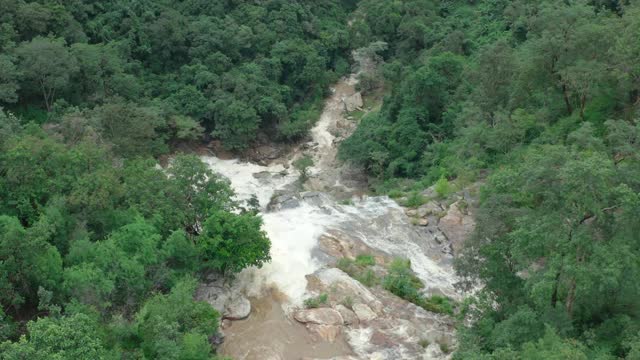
365, 260
414, 200
303, 164
346, 265
316, 302
358, 269
347, 302
368, 278
443, 188
402, 282
437, 304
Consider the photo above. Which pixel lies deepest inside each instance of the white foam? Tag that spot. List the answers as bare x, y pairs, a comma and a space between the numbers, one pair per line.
243, 181
293, 233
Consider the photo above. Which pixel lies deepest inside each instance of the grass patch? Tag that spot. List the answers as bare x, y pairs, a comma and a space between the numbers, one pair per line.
365, 260
316, 302
357, 115
347, 302
424, 343
368, 278
359, 269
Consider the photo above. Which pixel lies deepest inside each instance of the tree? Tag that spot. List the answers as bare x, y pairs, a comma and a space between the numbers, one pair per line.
69, 337
27, 261
174, 326
231, 242
47, 66
9, 80
197, 192
552, 233
134, 130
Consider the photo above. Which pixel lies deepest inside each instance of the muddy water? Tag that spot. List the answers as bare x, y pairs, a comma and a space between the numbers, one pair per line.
270, 334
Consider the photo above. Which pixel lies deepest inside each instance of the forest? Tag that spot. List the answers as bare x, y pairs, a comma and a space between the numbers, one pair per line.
101, 249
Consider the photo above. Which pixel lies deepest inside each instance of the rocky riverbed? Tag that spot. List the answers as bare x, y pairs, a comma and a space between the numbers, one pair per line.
312, 225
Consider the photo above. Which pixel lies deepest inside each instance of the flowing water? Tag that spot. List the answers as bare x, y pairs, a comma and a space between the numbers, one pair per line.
379, 222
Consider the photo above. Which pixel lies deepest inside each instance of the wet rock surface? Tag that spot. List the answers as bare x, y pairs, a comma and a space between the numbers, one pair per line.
321, 316
387, 327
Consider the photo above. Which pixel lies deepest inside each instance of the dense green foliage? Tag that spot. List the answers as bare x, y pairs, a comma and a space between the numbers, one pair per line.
473, 82
544, 97
100, 251
234, 67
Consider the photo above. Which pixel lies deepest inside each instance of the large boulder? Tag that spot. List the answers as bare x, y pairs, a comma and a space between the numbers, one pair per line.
320, 316
457, 226
343, 286
228, 300
353, 102
283, 200
349, 317
364, 312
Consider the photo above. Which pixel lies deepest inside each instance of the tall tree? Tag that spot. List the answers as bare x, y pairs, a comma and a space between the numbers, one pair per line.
47, 66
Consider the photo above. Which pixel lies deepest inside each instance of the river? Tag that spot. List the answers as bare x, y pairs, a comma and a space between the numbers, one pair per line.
295, 228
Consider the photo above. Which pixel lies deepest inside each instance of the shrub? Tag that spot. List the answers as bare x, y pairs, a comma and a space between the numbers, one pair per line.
347, 302
437, 304
303, 164
346, 265
402, 282
346, 202
368, 278
414, 200
365, 260
315, 302
443, 188
395, 193
358, 269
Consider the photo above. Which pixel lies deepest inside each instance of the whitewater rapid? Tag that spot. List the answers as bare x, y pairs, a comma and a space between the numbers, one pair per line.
378, 222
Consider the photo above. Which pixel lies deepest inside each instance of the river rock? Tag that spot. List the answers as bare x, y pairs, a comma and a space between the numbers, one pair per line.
282, 200
363, 312
423, 222
433, 352
349, 317
325, 332
262, 175
457, 226
343, 286
226, 299
312, 197
353, 102
336, 246
321, 316
430, 208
